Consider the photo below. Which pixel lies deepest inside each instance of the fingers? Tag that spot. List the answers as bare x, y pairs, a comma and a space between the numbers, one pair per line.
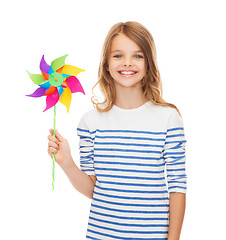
53, 147
53, 144
57, 134
53, 139
52, 150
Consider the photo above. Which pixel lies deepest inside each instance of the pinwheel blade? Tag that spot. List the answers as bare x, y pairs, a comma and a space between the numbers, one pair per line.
51, 90
45, 85
66, 98
45, 76
74, 85
51, 100
65, 75
59, 70
60, 90
71, 70
44, 67
50, 70
36, 78
39, 92
58, 63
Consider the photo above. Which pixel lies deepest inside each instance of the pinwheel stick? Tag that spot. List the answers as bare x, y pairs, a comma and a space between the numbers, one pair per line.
54, 157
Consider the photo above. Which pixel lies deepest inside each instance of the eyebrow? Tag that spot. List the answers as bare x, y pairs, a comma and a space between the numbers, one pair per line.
122, 51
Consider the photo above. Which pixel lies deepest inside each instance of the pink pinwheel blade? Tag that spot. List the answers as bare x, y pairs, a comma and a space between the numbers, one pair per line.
39, 92
44, 67
74, 85
51, 100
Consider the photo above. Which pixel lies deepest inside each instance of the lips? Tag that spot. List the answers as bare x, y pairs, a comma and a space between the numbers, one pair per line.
127, 72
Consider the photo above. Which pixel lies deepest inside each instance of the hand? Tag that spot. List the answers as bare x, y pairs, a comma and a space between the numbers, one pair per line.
59, 146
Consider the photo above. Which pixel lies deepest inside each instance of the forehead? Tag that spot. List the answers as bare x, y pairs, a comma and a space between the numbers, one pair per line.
123, 43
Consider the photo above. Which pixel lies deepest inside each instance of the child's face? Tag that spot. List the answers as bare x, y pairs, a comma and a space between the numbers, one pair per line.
126, 62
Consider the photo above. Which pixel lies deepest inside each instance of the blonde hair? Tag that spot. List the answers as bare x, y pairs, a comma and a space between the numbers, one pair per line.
151, 83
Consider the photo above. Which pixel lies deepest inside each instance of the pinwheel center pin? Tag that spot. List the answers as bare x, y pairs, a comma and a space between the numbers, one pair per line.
56, 79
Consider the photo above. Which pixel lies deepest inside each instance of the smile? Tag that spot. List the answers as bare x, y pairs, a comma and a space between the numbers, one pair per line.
127, 73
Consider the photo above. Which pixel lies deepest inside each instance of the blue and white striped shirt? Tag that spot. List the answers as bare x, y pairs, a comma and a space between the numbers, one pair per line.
138, 157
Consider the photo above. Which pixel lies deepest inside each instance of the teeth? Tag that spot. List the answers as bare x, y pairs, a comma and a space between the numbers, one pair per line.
127, 73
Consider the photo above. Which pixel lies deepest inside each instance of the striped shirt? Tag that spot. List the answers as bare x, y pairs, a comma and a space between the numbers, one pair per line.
138, 157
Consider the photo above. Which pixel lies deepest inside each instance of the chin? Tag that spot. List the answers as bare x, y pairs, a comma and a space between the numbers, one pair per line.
128, 84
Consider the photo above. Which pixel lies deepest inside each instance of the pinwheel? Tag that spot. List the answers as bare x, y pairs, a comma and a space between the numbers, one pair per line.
57, 82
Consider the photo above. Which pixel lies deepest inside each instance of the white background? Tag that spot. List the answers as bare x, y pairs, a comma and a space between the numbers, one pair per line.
191, 51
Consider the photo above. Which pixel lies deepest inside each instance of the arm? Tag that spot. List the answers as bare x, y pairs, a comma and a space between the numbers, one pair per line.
175, 158
177, 205
94, 178
86, 147
79, 179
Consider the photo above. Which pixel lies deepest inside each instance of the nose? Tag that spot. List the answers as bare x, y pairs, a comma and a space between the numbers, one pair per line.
127, 62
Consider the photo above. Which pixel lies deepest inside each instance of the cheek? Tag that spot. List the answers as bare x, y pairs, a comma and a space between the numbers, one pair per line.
112, 65
142, 66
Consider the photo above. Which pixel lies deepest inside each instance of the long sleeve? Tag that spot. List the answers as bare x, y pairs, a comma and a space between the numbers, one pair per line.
174, 154
86, 148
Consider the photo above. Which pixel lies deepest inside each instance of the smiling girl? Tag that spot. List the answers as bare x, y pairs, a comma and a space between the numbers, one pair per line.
132, 146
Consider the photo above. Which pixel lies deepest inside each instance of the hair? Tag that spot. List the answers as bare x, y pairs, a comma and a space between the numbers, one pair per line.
151, 83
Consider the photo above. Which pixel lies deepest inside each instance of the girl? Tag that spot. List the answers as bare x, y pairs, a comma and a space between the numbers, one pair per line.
126, 143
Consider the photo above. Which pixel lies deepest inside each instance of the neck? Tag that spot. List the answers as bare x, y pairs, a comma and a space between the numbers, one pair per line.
129, 98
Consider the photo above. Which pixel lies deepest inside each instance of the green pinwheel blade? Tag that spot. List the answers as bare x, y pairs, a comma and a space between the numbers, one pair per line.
36, 78
58, 63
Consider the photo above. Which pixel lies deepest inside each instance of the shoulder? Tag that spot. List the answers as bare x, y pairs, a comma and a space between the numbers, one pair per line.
94, 114
166, 115
161, 111
174, 119
89, 119
90, 114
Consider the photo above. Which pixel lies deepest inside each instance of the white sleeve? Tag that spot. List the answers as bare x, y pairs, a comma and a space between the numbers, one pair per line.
86, 148
174, 154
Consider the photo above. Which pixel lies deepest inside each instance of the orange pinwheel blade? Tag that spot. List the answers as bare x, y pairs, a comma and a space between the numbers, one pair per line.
59, 70
50, 91
45, 76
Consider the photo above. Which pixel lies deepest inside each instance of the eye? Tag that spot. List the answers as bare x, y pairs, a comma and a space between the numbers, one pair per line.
138, 56
117, 56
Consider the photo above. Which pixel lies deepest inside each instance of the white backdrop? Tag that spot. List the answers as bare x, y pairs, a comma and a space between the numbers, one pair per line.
191, 48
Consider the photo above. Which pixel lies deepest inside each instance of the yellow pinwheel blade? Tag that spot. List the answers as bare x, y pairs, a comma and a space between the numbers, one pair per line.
66, 98
71, 70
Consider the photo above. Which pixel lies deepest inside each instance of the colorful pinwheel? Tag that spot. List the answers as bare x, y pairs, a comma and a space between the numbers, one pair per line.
56, 82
